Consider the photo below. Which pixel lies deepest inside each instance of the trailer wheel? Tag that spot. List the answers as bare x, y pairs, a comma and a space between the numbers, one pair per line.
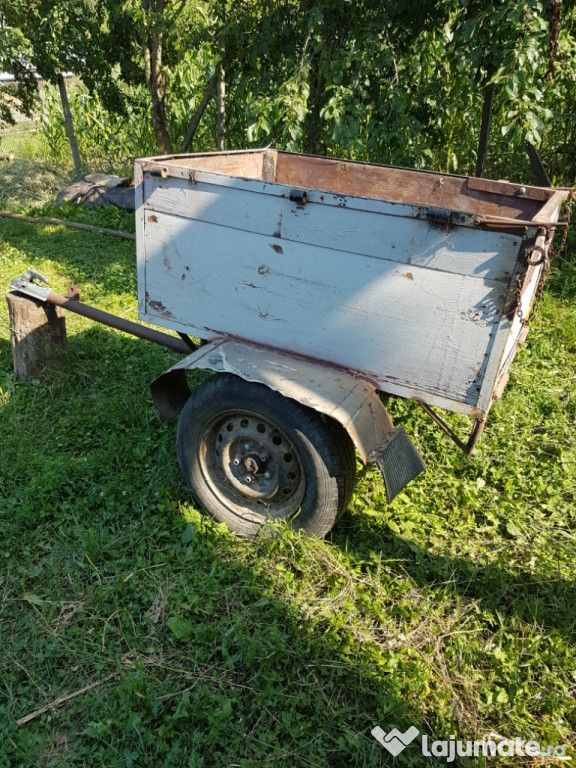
250, 455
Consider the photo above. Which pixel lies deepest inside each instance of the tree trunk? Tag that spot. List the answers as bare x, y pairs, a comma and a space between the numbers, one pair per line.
197, 116
313, 122
69, 124
37, 330
221, 109
538, 170
154, 74
484, 130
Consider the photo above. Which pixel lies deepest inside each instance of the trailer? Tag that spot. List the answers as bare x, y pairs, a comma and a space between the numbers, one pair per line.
314, 285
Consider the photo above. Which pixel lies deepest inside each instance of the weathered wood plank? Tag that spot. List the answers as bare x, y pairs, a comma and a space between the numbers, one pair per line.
415, 327
327, 224
245, 164
407, 186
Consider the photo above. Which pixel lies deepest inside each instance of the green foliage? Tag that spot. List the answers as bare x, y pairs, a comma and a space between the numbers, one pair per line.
107, 142
22, 94
367, 80
378, 82
187, 80
70, 36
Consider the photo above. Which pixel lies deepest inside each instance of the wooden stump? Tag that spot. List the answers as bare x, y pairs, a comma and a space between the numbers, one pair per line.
37, 330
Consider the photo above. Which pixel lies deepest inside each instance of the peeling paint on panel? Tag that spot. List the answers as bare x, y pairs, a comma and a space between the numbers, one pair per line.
157, 306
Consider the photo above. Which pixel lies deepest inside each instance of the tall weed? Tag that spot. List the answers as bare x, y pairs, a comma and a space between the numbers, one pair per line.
107, 142
110, 142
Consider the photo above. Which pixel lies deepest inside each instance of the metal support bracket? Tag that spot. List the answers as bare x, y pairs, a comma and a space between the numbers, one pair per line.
475, 435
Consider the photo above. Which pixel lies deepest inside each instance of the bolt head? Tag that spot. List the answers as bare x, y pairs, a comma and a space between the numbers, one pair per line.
267, 475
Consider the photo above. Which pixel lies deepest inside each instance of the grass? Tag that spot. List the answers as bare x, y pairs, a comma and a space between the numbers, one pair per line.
451, 609
23, 140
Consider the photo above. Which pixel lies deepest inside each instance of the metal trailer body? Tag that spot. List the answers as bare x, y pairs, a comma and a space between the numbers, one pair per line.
417, 284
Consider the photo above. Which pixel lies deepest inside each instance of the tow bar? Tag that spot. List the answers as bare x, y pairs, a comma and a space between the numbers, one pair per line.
36, 286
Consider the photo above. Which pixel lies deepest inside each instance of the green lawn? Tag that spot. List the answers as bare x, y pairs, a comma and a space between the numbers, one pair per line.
453, 609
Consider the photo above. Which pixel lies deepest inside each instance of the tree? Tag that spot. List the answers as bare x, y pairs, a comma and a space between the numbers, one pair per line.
68, 36
22, 93
104, 42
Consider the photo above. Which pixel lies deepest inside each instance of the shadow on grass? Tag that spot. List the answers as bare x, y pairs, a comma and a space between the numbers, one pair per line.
203, 661
209, 668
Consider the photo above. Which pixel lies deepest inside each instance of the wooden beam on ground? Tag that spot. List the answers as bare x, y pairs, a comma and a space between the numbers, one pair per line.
63, 223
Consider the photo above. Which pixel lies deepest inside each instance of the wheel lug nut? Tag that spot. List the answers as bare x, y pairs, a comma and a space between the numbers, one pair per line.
267, 475
264, 456
236, 462
246, 446
249, 478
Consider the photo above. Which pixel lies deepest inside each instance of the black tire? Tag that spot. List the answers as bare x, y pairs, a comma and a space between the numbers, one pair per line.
250, 455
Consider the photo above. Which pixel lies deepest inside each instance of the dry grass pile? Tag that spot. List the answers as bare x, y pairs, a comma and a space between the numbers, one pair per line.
29, 183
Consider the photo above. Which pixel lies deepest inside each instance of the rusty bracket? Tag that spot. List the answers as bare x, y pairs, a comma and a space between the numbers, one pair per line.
500, 222
298, 196
475, 435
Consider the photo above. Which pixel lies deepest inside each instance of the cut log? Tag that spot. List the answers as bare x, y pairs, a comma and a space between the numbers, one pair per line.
37, 332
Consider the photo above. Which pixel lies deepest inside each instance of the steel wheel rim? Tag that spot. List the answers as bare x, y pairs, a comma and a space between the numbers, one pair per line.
251, 466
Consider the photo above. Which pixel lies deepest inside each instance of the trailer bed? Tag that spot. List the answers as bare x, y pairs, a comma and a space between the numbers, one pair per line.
419, 282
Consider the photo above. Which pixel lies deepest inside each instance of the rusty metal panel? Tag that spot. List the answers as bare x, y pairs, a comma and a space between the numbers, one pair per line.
342, 396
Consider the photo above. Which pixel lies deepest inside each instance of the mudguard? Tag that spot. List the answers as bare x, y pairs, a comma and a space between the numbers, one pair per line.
344, 396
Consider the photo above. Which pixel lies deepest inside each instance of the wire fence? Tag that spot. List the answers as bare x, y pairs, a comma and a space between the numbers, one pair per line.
23, 141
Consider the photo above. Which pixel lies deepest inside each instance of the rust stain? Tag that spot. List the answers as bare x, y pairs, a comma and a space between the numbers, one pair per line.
157, 306
278, 232
276, 248
153, 219
408, 276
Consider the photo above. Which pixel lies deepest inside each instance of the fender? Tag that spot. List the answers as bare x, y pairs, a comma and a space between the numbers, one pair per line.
348, 398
